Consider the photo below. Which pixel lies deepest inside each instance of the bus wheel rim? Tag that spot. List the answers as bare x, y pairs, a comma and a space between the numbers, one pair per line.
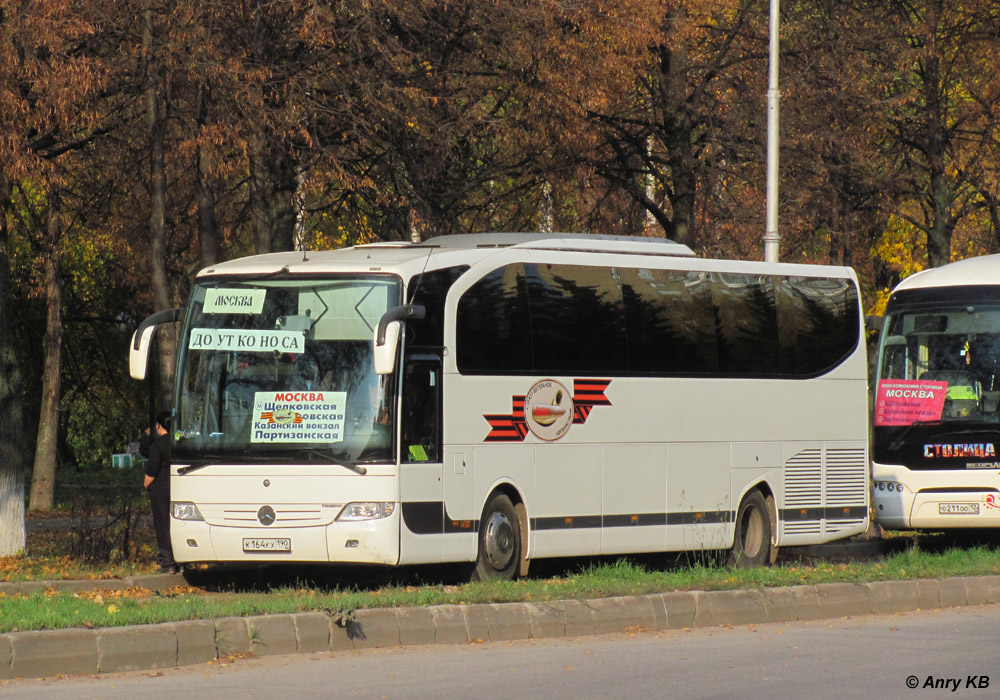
753, 533
499, 541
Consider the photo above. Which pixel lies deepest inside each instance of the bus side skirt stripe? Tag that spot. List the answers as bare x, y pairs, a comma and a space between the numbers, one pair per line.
431, 518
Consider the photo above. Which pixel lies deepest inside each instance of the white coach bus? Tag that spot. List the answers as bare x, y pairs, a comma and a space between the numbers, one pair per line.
937, 400
497, 398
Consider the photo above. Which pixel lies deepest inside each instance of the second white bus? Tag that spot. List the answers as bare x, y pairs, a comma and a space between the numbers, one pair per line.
937, 400
497, 398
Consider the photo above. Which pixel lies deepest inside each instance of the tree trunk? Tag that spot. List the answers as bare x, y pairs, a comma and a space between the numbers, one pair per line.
837, 223
677, 127
44, 473
11, 494
682, 201
259, 218
159, 282
848, 235
545, 208
939, 233
273, 184
939, 196
11, 423
285, 186
208, 227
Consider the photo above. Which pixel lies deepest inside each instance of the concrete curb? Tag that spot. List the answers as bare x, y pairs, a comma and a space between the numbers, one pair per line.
142, 647
70, 585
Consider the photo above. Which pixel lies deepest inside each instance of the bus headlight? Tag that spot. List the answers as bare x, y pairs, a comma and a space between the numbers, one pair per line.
183, 510
367, 511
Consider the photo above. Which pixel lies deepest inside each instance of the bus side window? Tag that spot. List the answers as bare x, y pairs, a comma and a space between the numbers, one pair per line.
422, 410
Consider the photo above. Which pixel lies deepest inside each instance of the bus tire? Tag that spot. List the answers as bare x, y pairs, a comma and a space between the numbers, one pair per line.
772, 510
753, 540
499, 541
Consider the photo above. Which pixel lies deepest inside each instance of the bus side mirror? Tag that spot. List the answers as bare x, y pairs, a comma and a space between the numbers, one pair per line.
873, 324
138, 356
385, 354
386, 341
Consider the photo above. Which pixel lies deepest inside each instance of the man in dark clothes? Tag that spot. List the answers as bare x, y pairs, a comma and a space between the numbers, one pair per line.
157, 483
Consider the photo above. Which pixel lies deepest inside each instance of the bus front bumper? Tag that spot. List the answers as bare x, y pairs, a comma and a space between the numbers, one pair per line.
904, 499
357, 542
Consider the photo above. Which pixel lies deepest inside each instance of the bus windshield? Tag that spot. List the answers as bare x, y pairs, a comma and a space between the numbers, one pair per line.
281, 370
938, 389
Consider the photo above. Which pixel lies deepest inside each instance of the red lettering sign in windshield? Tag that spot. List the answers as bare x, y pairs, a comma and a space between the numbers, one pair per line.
908, 401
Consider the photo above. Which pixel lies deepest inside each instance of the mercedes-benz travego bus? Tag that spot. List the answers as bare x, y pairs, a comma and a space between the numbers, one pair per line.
937, 400
497, 398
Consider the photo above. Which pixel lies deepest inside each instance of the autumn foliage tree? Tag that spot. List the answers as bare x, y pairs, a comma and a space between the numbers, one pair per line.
660, 136
836, 174
48, 79
944, 119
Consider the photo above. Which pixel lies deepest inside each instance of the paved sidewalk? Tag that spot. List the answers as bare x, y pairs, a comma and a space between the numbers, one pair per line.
142, 647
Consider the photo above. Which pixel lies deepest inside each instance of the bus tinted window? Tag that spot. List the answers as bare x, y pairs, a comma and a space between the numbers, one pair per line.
564, 319
670, 324
576, 317
817, 323
429, 290
747, 324
493, 330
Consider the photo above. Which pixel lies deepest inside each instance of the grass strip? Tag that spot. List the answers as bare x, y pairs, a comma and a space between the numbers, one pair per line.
58, 610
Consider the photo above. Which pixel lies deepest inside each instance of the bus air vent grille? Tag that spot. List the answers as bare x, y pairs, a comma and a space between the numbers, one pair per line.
845, 477
834, 526
806, 527
286, 515
803, 479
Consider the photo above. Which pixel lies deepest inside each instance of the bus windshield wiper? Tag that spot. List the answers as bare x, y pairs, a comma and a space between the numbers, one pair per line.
898, 441
357, 468
214, 459
211, 461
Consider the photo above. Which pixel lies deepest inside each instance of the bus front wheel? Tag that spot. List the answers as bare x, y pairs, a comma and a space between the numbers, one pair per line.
753, 540
499, 541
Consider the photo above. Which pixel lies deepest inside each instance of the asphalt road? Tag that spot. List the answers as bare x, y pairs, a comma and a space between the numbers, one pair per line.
864, 657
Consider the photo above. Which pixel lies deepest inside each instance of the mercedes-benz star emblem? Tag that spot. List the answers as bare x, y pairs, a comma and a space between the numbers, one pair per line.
266, 515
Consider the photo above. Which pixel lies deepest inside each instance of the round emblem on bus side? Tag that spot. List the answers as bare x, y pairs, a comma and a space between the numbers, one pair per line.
548, 410
266, 515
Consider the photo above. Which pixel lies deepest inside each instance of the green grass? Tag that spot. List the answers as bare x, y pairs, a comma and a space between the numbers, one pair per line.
53, 610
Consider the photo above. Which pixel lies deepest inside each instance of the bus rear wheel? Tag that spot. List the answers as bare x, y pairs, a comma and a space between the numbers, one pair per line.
753, 541
499, 541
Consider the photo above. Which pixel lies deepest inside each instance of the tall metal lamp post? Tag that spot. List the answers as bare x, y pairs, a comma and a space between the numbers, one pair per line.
771, 237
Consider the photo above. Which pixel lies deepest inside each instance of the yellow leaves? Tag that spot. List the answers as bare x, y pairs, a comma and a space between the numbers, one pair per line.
881, 299
902, 247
